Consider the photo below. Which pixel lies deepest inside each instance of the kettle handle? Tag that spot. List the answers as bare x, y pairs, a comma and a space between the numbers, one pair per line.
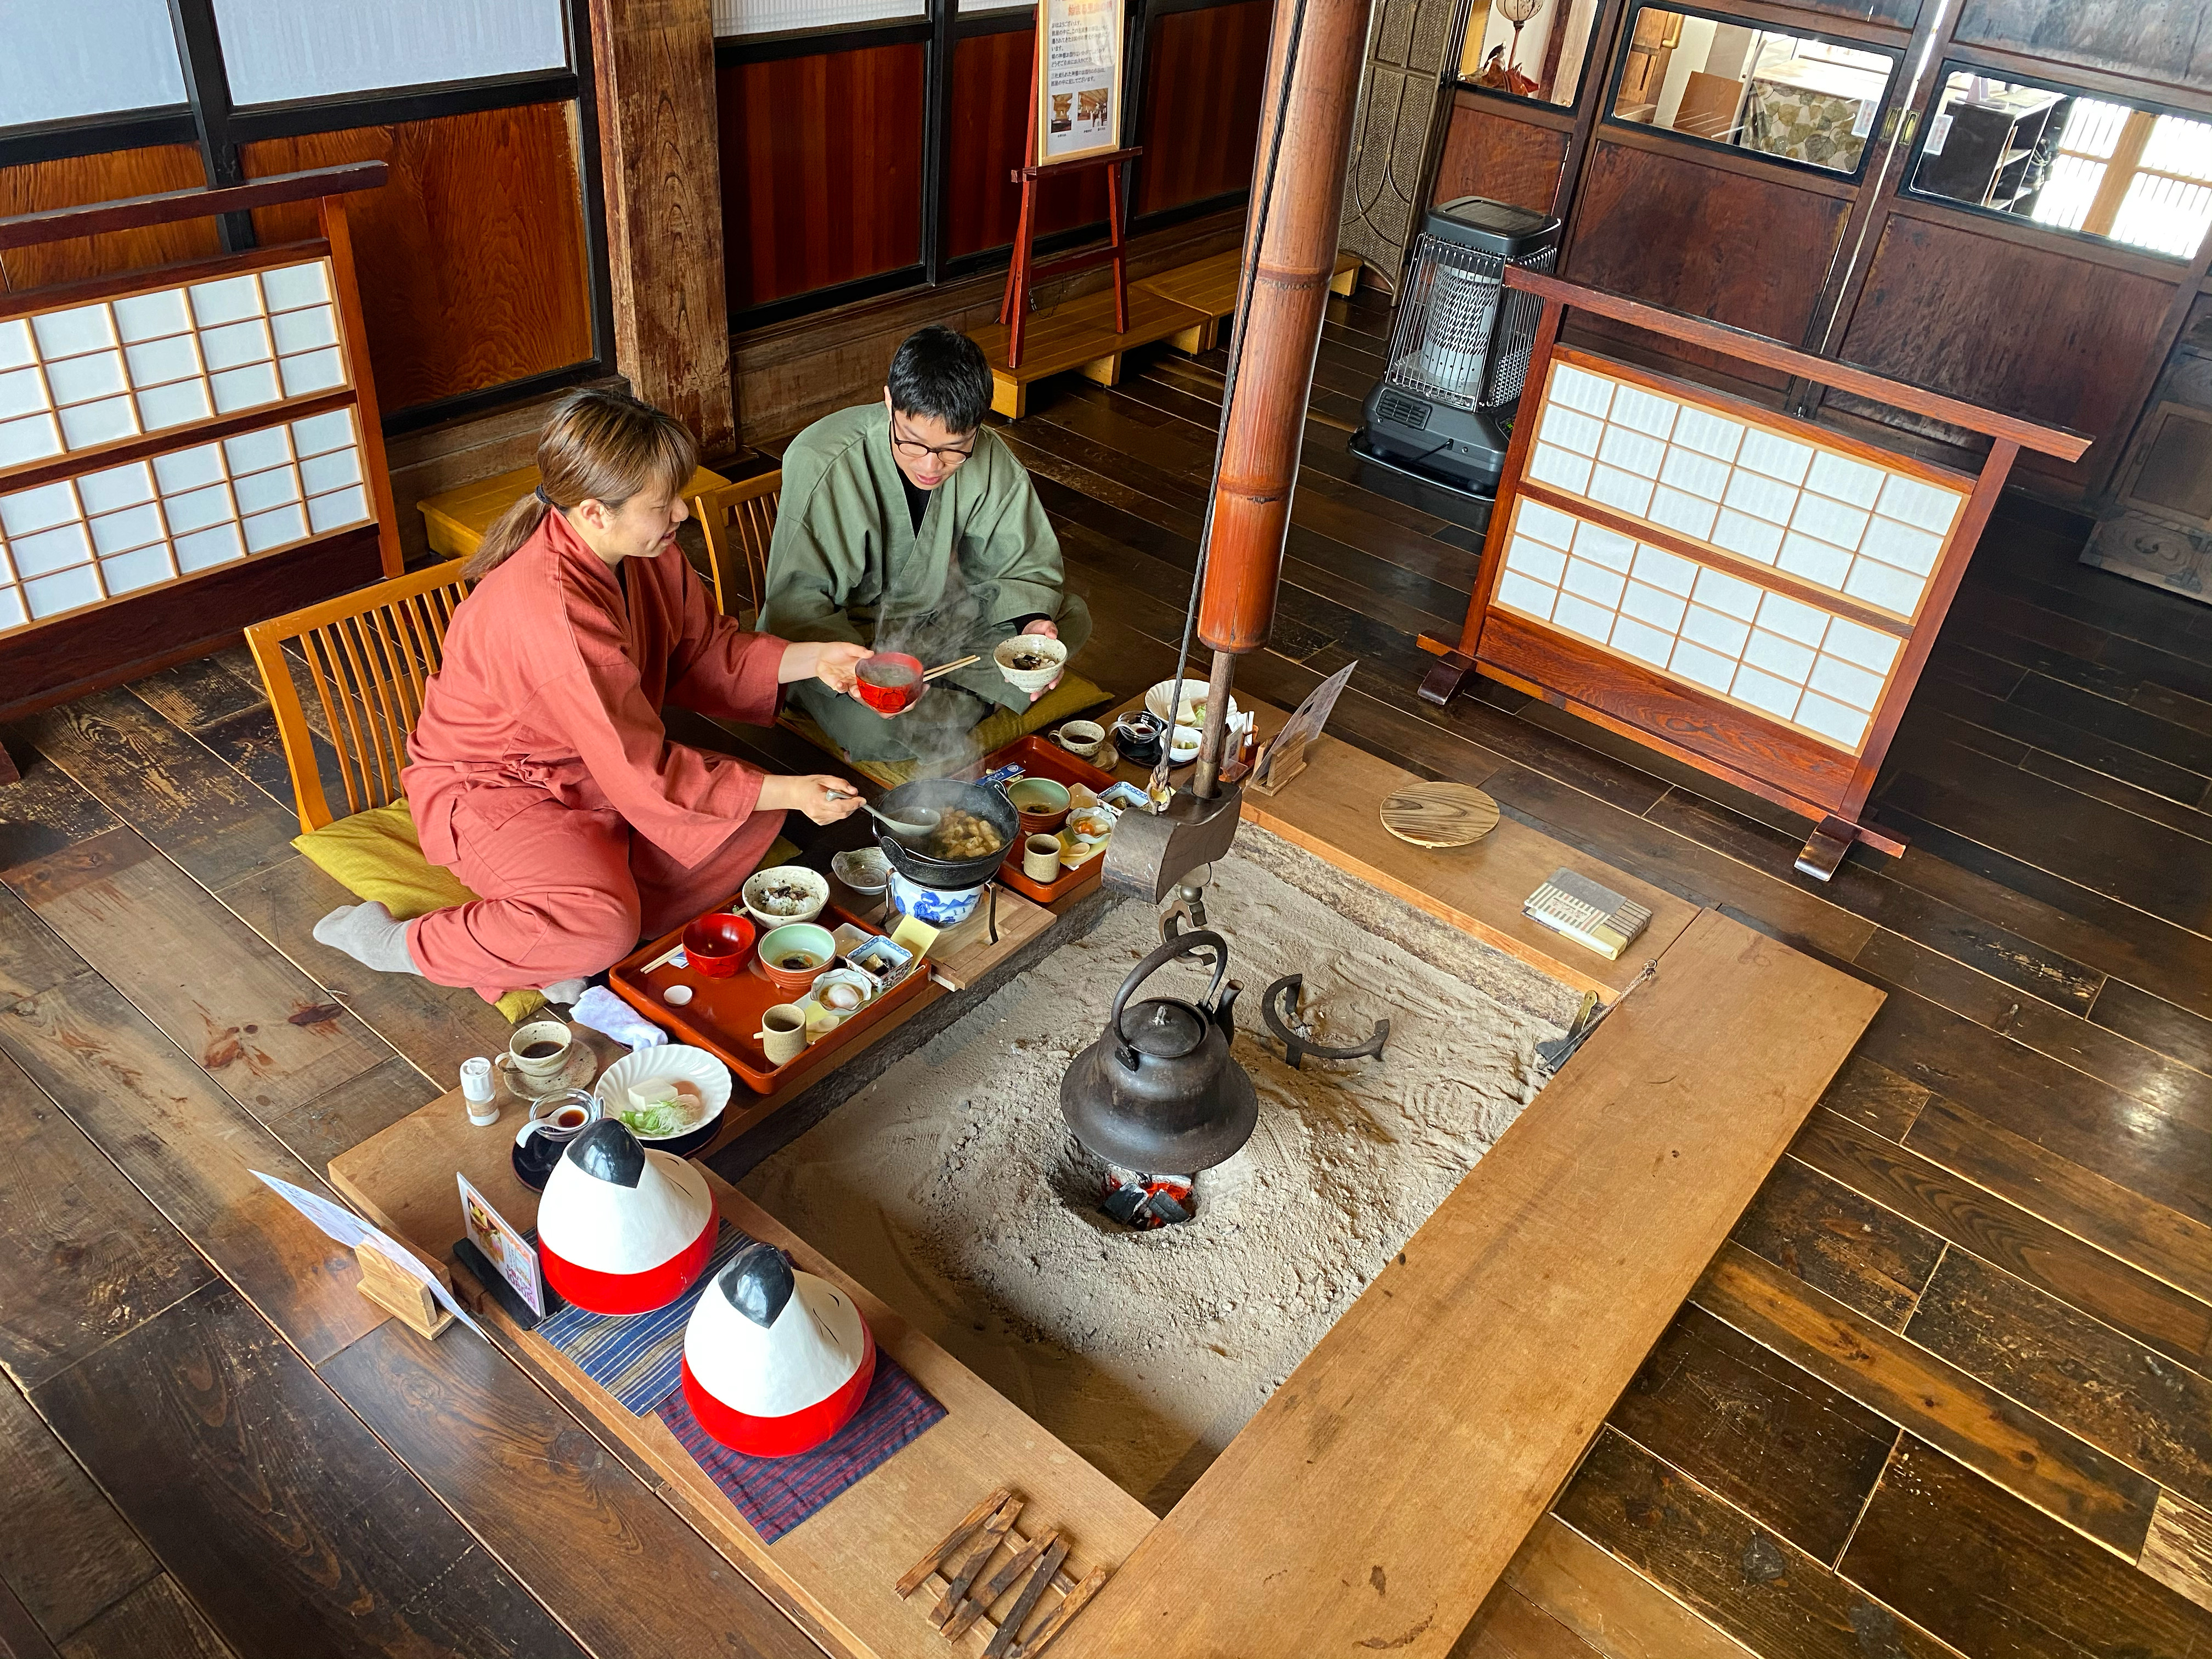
1181, 945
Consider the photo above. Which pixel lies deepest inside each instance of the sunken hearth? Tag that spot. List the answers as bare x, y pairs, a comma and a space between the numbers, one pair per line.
952, 1188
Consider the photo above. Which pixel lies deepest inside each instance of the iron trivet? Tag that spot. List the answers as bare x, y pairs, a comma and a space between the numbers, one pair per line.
1279, 1008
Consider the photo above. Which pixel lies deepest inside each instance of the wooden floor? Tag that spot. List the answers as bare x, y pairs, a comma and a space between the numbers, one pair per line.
1949, 1390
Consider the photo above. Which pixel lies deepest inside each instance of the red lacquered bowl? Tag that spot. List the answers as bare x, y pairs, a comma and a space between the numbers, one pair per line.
890, 699
717, 944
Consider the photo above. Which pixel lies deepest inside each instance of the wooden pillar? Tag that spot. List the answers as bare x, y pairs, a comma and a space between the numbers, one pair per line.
1290, 259
654, 63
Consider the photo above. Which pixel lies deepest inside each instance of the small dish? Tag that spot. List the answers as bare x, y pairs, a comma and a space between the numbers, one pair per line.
844, 991
1049, 654
1092, 823
1182, 748
785, 894
1125, 797
715, 945
791, 956
1082, 737
864, 869
888, 681
674, 1061
1190, 709
882, 959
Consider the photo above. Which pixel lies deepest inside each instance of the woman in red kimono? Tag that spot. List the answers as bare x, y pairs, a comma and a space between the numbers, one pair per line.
541, 774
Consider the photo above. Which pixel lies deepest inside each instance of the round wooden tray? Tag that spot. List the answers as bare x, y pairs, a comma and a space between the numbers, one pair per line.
1440, 814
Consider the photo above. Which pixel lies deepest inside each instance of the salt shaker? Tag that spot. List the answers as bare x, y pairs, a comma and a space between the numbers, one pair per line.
477, 1092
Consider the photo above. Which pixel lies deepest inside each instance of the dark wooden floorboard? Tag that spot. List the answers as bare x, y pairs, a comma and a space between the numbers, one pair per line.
65, 1554
271, 1504
1991, 1576
1965, 1348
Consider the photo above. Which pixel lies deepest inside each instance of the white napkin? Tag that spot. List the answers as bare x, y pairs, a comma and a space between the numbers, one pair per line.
609, 1015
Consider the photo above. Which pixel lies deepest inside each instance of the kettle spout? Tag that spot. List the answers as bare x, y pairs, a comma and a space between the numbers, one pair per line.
1225, 1009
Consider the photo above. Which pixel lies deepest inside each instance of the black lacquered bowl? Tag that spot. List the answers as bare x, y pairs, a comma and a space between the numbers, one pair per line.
941, 795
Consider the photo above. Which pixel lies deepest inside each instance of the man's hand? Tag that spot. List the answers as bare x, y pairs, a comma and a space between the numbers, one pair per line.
1050, 630
822, 798
831, 661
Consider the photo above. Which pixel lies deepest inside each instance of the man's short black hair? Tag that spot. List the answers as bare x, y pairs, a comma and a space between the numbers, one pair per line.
941, 372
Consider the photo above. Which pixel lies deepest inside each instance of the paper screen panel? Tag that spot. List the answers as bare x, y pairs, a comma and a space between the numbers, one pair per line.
78, 377
1829, 519
111, 532
1788, 661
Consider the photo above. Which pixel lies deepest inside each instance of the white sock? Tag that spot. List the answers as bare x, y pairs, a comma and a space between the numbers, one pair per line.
371, 935
565, 990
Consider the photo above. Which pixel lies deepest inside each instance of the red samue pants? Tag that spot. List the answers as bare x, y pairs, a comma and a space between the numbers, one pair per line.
566, 892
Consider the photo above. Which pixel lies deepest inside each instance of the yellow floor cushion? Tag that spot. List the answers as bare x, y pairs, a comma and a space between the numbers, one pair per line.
375, 855
1069, 698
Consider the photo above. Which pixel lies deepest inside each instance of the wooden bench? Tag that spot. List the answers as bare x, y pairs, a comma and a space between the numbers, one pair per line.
454, 521
1210, 286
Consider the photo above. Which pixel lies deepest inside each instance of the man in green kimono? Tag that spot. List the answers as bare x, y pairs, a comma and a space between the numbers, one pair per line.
905, 526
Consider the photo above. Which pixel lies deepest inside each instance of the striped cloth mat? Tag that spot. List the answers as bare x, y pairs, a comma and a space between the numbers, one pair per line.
636, 1358
775, 1494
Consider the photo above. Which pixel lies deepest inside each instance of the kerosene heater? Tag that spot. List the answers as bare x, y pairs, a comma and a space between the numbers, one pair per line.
1443, 408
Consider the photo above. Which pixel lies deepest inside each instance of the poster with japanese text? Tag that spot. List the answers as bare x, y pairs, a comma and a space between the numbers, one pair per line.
1079, 78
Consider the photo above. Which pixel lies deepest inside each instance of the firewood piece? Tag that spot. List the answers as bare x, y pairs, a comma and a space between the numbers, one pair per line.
1025, 1604
912, 1581
1067, 1610
987, 1544
979, 1601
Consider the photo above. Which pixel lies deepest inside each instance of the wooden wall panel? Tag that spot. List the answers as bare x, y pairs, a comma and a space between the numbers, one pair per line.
1680, 233
82, 178
2169, 43
1204, 75
472, 258
990, 119
821, 169
1487, 154
2029, 331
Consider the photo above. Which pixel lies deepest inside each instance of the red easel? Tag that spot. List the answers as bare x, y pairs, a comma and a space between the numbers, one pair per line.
1021, 278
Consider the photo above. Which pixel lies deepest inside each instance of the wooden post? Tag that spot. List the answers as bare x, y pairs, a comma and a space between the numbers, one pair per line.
658, 147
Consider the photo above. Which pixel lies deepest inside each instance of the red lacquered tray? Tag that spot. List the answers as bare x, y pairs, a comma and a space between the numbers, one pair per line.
724, 1014
1039, 758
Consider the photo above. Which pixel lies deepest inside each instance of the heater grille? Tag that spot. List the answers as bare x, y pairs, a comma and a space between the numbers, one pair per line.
1452, 344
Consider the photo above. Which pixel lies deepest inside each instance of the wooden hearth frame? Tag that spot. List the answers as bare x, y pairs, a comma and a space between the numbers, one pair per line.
1722, 738
1428, 1431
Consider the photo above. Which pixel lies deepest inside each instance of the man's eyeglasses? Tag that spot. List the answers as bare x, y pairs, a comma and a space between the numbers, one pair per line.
913, 449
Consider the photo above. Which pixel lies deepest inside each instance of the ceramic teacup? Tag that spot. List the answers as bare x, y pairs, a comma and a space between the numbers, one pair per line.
1041, 858
536, 1060
783, 1033
1082, 737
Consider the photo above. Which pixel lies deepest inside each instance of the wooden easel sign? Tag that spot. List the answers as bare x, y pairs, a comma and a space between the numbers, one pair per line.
1078, 79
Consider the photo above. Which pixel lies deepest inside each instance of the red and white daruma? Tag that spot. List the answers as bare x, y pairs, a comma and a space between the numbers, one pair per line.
623, 1228
775, 1361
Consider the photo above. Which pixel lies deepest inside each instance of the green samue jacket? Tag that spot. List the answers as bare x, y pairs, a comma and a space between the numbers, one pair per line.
847, 563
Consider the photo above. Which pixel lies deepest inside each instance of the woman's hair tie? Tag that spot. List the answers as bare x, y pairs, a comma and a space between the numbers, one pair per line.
543, 497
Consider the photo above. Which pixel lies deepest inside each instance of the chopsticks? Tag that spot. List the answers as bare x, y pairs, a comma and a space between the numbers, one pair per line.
947, 667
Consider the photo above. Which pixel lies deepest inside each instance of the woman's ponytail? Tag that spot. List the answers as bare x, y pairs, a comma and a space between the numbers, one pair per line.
508, 531
599, 446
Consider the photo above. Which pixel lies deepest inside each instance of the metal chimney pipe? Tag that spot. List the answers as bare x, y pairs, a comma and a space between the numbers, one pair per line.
1289, 255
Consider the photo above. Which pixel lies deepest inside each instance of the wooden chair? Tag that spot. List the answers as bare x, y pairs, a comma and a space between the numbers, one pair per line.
739, 521
368, 655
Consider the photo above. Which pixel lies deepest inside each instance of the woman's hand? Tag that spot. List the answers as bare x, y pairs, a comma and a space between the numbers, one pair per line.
822, 798
1050, 630
831, 661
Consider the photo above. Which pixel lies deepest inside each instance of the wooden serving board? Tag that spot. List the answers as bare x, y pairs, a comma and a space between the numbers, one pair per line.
1440, 814
724, 1015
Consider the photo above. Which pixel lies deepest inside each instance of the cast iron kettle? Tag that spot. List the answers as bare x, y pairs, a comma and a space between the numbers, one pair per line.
1158, 1091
